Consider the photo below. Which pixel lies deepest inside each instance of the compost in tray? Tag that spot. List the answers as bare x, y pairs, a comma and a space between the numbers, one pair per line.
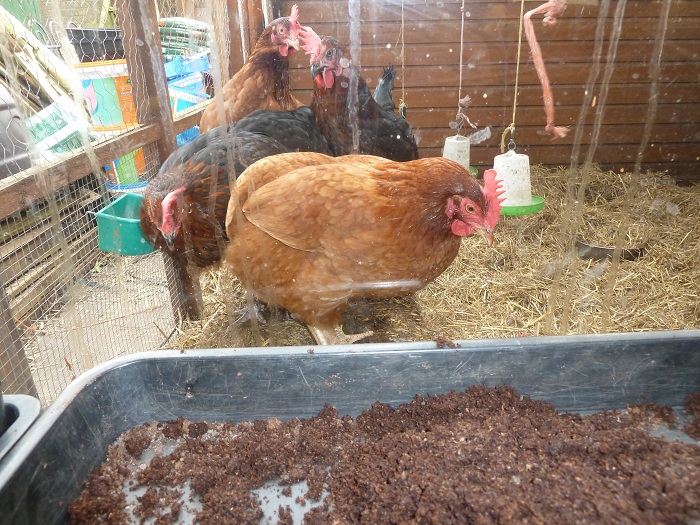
485, 455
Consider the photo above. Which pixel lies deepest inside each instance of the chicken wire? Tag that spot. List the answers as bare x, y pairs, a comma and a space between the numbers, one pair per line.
88, 306
66, 305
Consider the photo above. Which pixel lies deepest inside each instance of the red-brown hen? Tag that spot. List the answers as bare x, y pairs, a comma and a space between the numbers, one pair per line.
367, 128
263, 82
309, 232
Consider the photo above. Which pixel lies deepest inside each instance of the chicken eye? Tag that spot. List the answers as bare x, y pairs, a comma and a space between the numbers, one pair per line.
280, 30
470, 208
329, 53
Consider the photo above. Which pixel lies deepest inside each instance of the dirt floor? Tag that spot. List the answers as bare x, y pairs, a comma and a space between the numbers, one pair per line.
121, 307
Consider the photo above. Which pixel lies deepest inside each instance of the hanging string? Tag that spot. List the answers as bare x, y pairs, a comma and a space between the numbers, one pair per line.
402, 103
511, 128
461, 62
462, 103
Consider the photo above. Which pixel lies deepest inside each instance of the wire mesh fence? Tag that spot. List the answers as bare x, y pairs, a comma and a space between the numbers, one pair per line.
66, 89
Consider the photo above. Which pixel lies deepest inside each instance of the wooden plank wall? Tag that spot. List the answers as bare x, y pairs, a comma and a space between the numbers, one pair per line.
431, 75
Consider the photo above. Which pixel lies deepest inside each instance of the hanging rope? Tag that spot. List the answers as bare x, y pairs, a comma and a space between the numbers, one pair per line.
402, 103
511, 128
462, 103
461, 62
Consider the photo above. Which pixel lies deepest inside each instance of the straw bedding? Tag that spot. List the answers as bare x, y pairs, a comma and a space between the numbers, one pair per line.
533, 281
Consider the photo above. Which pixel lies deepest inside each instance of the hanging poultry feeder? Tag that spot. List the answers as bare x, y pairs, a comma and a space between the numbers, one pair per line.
119, 227
457, 149
513, 169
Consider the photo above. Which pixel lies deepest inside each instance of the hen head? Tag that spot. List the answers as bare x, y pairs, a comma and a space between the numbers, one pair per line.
477, 215
282, 34
329, 58
167, 214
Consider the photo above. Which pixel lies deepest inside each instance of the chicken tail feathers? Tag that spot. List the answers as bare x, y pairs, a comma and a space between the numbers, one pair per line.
383, 92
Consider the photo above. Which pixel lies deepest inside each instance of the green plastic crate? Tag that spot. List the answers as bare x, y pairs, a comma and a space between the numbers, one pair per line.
119, 228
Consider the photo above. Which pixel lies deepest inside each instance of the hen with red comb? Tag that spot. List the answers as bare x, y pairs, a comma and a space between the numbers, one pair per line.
263, 82
309, 232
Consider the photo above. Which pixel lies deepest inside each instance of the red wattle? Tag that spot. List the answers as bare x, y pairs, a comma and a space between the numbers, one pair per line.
461, 228
328, 78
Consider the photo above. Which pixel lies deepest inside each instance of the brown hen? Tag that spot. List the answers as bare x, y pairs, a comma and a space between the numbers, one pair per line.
309, 232
263, 82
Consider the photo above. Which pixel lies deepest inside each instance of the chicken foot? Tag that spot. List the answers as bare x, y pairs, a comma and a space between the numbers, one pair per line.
245, 314
335, 336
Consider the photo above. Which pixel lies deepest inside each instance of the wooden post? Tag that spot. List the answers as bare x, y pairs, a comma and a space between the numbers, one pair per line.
256, 22
142, 46
14, 367
144, 58
235, 52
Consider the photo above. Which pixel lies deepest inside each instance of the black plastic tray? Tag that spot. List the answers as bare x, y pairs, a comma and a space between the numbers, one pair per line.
93, 45
45, 471
19, 412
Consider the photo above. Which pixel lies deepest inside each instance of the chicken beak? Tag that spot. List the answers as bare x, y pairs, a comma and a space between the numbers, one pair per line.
169, 240
488, 237
316, 69
293, 42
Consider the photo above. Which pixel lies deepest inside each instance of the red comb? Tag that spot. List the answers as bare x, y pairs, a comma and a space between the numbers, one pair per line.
493, 193
311, 43
294, 17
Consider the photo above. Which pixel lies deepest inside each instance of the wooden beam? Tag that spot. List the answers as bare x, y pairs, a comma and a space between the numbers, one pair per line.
20, 190
225, 54
256, 22
189, 120
139, 22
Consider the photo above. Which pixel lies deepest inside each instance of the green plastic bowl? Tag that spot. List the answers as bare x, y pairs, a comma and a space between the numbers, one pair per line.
119, 228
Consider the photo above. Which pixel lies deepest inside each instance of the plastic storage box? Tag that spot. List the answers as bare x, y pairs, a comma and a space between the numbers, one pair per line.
57, 128
108, 93
46, 470
187, 92
181, 66
96, 44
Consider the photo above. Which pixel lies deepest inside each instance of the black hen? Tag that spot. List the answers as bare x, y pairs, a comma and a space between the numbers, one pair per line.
385, 87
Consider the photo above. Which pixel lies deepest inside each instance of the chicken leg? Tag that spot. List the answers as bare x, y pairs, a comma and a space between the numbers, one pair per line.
335, 336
